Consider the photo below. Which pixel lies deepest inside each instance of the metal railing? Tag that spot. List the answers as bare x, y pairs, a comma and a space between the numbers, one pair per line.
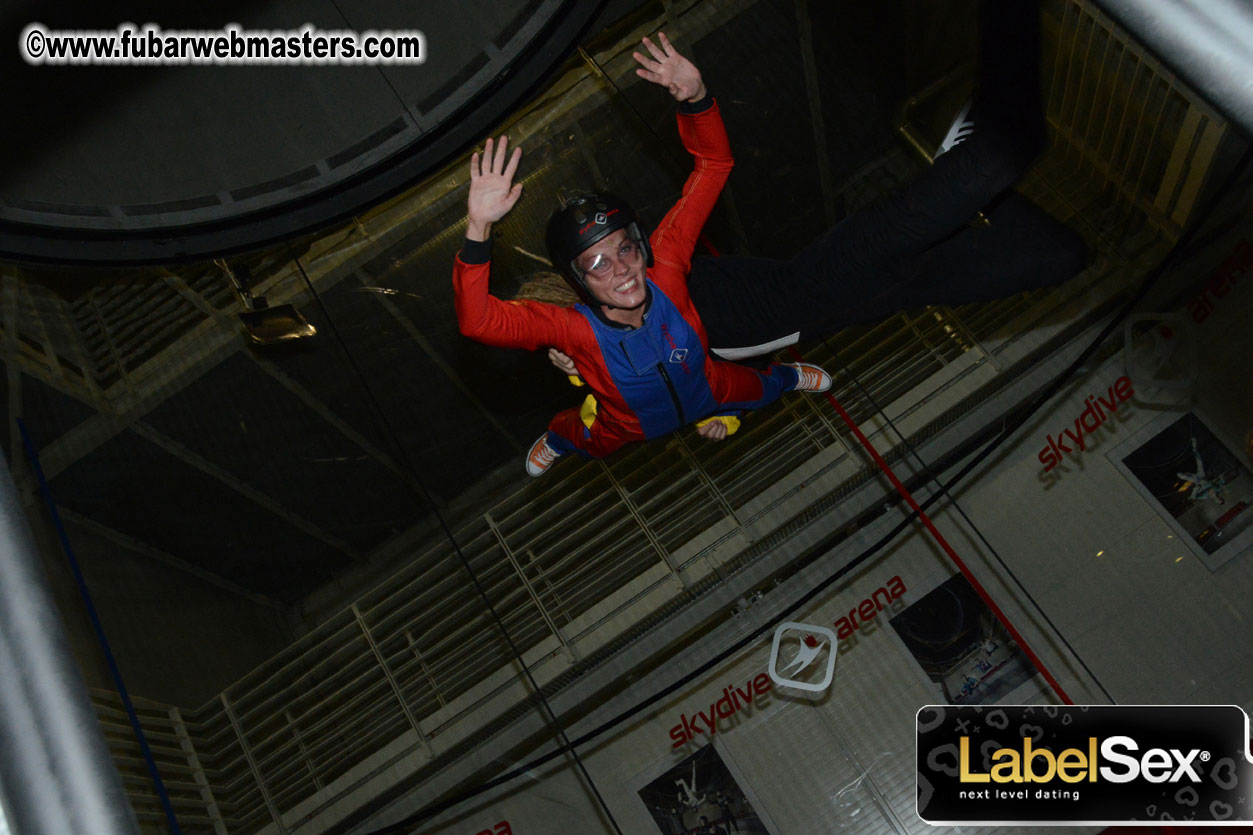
401, 675
1135, 145
175, 744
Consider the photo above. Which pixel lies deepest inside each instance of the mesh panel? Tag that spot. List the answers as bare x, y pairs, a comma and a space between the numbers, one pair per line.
315, 480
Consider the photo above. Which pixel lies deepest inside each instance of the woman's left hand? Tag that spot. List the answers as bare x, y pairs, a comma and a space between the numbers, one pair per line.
715, 430
671, 70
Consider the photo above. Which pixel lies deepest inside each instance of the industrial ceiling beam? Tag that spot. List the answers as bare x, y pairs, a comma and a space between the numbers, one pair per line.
241, 487
143, 389
813, 92
77, 520
437, 358
324, 411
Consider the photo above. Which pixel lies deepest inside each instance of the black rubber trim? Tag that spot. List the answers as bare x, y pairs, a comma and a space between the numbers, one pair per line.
46, 245
692, 108
476, 252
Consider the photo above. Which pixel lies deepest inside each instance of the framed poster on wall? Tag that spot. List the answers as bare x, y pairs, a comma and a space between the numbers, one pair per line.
700, 796
1194, 481
961, 646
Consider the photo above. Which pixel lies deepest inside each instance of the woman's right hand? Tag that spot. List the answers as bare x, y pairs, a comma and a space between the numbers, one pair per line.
563, 362
492, 190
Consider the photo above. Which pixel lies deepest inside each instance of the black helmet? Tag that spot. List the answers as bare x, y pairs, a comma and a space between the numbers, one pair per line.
581, 222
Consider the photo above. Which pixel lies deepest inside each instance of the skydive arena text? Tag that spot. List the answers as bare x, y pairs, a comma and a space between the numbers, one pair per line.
149, 44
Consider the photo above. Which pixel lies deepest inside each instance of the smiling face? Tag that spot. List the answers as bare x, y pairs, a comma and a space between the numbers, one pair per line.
613, 268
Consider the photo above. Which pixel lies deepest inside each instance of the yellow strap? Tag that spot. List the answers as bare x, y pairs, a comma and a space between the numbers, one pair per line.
732, 422
587, 412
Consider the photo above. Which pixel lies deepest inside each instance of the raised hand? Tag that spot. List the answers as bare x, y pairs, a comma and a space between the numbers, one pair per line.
671, 70
492, 190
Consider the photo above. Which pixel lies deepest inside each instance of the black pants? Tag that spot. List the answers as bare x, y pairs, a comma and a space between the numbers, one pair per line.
917, 246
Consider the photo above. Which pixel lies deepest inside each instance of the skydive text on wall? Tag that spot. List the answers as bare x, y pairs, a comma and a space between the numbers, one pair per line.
1096, 410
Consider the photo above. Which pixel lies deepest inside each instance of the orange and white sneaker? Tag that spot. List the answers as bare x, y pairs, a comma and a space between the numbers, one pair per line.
812, 377
541, 457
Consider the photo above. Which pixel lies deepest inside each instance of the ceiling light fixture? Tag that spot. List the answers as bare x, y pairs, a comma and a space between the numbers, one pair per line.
264, 325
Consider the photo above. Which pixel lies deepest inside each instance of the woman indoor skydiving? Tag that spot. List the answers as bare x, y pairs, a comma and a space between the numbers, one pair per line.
916, 247
635, 336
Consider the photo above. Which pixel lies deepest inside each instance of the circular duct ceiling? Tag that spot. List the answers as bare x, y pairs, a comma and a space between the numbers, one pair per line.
114, 165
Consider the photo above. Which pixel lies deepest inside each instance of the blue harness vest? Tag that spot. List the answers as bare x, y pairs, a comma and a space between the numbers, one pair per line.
659, 368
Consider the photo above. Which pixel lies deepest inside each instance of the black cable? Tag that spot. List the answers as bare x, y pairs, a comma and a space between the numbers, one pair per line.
1149, 280
380, 68
715, 660
1006, 432
1010, 427
681, 682
426, 496
979, 533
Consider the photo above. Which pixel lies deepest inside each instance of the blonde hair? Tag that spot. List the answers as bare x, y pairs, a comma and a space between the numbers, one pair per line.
547, 287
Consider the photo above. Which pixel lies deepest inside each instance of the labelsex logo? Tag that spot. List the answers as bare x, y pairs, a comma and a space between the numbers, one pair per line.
1156, 765
1089, 764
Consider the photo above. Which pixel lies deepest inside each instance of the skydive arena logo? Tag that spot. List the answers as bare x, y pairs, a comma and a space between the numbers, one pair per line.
812, 640
1092, 765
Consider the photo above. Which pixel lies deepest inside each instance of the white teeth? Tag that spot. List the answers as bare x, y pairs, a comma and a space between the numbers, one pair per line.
625, 287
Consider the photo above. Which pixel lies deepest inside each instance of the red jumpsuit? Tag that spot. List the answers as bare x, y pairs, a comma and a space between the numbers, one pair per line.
533, 325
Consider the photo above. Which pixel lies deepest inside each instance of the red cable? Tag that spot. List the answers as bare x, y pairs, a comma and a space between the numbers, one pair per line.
939, 538
943, 543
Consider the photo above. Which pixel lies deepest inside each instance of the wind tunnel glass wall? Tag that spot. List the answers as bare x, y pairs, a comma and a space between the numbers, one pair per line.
314, 562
